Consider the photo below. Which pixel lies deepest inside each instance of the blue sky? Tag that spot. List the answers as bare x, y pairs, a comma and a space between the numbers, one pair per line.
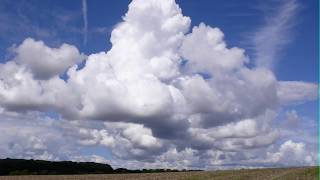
237, 20
279, 38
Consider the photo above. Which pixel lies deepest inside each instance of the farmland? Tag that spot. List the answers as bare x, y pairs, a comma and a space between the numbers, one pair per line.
307, 173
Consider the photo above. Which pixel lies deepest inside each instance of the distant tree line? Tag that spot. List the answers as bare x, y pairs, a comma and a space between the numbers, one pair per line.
40, 167
23, 167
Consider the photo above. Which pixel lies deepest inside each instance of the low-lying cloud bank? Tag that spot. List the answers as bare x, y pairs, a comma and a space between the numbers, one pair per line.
162, 96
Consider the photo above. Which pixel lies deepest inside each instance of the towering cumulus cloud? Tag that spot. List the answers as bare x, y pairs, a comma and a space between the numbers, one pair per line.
163, 95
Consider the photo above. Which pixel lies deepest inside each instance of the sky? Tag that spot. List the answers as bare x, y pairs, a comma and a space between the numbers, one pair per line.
160, 83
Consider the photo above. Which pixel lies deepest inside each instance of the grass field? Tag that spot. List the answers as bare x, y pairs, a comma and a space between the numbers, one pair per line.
310, 173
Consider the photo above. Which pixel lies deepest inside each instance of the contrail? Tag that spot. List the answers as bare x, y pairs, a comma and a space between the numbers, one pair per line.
85, 21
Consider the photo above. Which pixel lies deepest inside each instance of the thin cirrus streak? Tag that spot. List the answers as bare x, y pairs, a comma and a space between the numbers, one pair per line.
275, 34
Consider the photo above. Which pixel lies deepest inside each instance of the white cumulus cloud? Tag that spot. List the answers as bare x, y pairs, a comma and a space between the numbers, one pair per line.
43, 61
161, 93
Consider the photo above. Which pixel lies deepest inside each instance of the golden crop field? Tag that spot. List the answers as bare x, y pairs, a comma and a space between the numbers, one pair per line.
310, 173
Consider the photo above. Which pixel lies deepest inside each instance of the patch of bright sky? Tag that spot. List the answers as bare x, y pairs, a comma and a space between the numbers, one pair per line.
98, 150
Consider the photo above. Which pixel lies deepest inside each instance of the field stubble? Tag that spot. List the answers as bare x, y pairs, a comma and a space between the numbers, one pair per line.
309, 173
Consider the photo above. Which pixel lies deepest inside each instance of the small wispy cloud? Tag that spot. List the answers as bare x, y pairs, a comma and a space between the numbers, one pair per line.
270, 39
23, 20
85, 21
